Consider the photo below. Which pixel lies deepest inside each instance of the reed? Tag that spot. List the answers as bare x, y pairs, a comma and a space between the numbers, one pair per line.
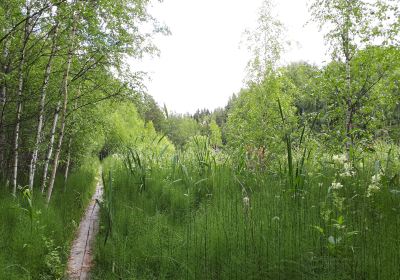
218, 221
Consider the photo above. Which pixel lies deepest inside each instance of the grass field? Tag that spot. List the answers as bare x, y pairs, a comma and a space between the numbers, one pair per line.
35, 240
200, 216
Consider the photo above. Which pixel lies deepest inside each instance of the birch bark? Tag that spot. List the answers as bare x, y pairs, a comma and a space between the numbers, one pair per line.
64, 94
21, 68
43, 91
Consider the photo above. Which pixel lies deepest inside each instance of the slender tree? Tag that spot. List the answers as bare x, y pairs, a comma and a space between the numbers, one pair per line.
22, 60
64, 95
5, 67
42, 104
265, 43
350, 26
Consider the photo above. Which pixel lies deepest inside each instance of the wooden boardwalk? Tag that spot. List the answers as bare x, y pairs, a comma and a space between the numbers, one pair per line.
81, 257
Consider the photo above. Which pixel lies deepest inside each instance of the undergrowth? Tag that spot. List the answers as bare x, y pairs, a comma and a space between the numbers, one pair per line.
35, 240
204, 215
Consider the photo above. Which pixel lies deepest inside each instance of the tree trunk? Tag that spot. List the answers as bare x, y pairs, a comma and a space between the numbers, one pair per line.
349, 102
67, 164
32, 166
21, 69
349, 111
3, 101
51, 144
64, 93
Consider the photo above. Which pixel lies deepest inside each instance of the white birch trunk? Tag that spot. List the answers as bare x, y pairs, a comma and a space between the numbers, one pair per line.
50, 148
64, 93
347, 55
21, 67
35, 154
67, 164
3, 100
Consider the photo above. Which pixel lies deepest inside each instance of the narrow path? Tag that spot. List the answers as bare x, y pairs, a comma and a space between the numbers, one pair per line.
80, 259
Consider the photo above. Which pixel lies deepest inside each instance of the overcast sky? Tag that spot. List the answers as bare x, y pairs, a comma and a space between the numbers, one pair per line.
201, 64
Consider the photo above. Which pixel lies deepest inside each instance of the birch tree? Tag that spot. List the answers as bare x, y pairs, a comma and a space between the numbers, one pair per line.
48, 50
265, 43
64, 95
42, 104
349, 26
21, 67
5, 67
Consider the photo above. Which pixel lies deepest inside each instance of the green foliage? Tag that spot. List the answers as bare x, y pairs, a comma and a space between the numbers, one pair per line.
77, 50
180, 128
34, 240
27, 196
149, 110
260, 189
224, 224
254, 119
215, 134
266, 43
106, 205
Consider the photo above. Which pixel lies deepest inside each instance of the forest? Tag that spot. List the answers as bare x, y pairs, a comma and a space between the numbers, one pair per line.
297, 177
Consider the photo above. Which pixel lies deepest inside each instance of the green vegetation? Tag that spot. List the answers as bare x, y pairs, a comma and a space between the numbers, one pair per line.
66, 96
203, 216
35, 240
297, 177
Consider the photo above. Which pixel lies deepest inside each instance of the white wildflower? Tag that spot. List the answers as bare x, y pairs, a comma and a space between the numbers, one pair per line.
339, 159
376, 178
347, 173
372, 189
336, 185
347, 170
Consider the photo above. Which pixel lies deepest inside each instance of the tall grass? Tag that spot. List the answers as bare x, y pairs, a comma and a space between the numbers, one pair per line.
35, 239
201, 217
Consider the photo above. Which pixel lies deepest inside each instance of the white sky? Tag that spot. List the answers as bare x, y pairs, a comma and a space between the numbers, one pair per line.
201, 64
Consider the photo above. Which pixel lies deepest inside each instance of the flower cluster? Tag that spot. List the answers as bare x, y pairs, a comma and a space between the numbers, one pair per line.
339, 159
374, 187
376, 178
347, 170
336, 185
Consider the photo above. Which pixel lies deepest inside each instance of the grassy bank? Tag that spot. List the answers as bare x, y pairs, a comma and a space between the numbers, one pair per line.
35, 240
197, 217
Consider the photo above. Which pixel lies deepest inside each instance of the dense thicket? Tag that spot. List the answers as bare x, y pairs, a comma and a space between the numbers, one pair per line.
296, 178
66, 97
62, 76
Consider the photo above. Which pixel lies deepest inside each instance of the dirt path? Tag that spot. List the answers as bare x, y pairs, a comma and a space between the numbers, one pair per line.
80, 259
